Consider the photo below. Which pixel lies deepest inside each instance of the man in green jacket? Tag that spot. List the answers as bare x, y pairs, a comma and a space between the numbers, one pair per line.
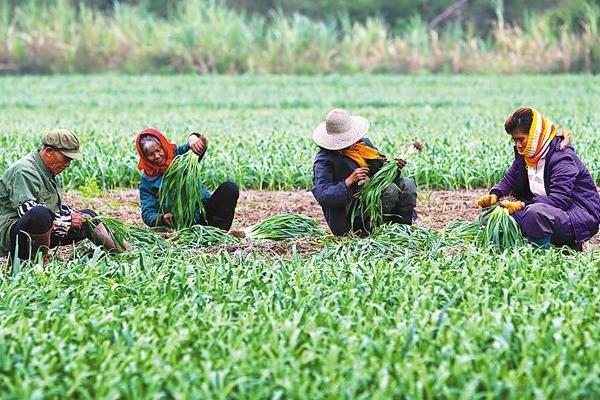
32, 215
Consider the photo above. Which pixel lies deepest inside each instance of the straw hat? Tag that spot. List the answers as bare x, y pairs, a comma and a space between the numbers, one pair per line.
340, 130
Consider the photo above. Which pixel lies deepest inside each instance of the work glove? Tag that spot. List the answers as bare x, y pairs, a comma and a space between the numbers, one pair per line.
512, 206
486, 201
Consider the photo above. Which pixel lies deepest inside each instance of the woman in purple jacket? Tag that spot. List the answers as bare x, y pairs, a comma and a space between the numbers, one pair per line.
557, 200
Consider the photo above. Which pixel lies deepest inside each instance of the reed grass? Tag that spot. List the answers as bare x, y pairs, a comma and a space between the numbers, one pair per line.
206, 37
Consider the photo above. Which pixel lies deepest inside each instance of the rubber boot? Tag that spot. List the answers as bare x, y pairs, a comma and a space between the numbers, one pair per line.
40, 242
542, 243
408, 217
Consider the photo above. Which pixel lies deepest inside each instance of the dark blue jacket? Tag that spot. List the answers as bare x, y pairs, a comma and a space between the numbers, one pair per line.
330, 170
149, 186
569, 186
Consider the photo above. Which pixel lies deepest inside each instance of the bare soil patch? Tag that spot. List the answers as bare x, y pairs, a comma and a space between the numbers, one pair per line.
435, 209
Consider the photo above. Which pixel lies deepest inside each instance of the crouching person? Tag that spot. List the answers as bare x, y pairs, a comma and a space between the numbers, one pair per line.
556, 198
345, 159
33, 217
156, 155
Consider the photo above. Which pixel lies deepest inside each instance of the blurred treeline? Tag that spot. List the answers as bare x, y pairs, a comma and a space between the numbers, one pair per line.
396, 13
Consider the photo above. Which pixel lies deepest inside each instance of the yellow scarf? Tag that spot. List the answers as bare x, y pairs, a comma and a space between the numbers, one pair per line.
360, 153
540, 135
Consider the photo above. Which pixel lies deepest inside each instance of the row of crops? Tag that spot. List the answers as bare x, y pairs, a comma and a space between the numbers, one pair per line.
407, 312
260, 128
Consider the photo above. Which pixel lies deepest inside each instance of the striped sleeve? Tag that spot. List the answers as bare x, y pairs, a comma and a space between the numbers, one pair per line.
62, 220
26, 206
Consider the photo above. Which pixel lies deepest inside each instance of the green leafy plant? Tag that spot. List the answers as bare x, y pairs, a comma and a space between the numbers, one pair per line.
122, 232
368, 205
90, 189
500, 229
289, 226
198, 236
464, 230
181, 191
257, 158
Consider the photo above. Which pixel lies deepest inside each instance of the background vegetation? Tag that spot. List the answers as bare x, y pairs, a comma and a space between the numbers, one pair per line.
260, 128
300, 37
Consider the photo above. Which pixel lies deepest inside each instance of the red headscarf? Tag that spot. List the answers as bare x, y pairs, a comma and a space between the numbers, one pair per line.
144, 164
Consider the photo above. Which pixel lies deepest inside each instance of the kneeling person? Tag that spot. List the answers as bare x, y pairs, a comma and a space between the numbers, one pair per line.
156, 155
556, 198
345, 159
32, 215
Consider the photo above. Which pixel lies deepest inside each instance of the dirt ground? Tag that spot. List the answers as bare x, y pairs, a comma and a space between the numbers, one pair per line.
435, 208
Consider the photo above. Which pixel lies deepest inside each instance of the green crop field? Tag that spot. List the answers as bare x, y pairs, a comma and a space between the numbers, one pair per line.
406, 313
260, 128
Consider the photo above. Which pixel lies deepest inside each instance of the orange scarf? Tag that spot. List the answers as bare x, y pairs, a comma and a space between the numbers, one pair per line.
360, 153
144, 164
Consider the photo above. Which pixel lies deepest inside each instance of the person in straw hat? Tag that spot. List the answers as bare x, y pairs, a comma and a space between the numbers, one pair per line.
33, 217
345, 159
555, 198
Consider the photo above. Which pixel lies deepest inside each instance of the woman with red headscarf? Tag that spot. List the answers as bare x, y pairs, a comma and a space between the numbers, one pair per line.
156, 154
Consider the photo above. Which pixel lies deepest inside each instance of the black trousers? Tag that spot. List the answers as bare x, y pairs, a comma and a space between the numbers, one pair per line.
39, 220
220, 208
403, 211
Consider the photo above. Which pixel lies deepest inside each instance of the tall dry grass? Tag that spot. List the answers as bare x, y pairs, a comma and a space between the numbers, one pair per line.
205, 37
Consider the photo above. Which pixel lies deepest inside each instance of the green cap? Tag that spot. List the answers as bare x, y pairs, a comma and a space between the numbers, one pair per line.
64, 141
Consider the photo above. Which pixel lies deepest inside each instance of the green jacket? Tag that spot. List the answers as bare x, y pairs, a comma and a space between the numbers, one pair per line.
26, 180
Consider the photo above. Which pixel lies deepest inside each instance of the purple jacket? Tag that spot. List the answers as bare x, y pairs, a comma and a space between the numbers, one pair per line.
569, 186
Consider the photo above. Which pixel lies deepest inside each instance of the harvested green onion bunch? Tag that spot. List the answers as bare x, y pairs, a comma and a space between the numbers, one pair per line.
181, 192
289, 226
122, 232
500, 228
464, 230
198, 236
368, 199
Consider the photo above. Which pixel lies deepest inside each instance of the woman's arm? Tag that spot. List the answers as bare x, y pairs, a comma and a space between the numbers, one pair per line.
180, 150
196, 142
511, 182
149, 204
327, 191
